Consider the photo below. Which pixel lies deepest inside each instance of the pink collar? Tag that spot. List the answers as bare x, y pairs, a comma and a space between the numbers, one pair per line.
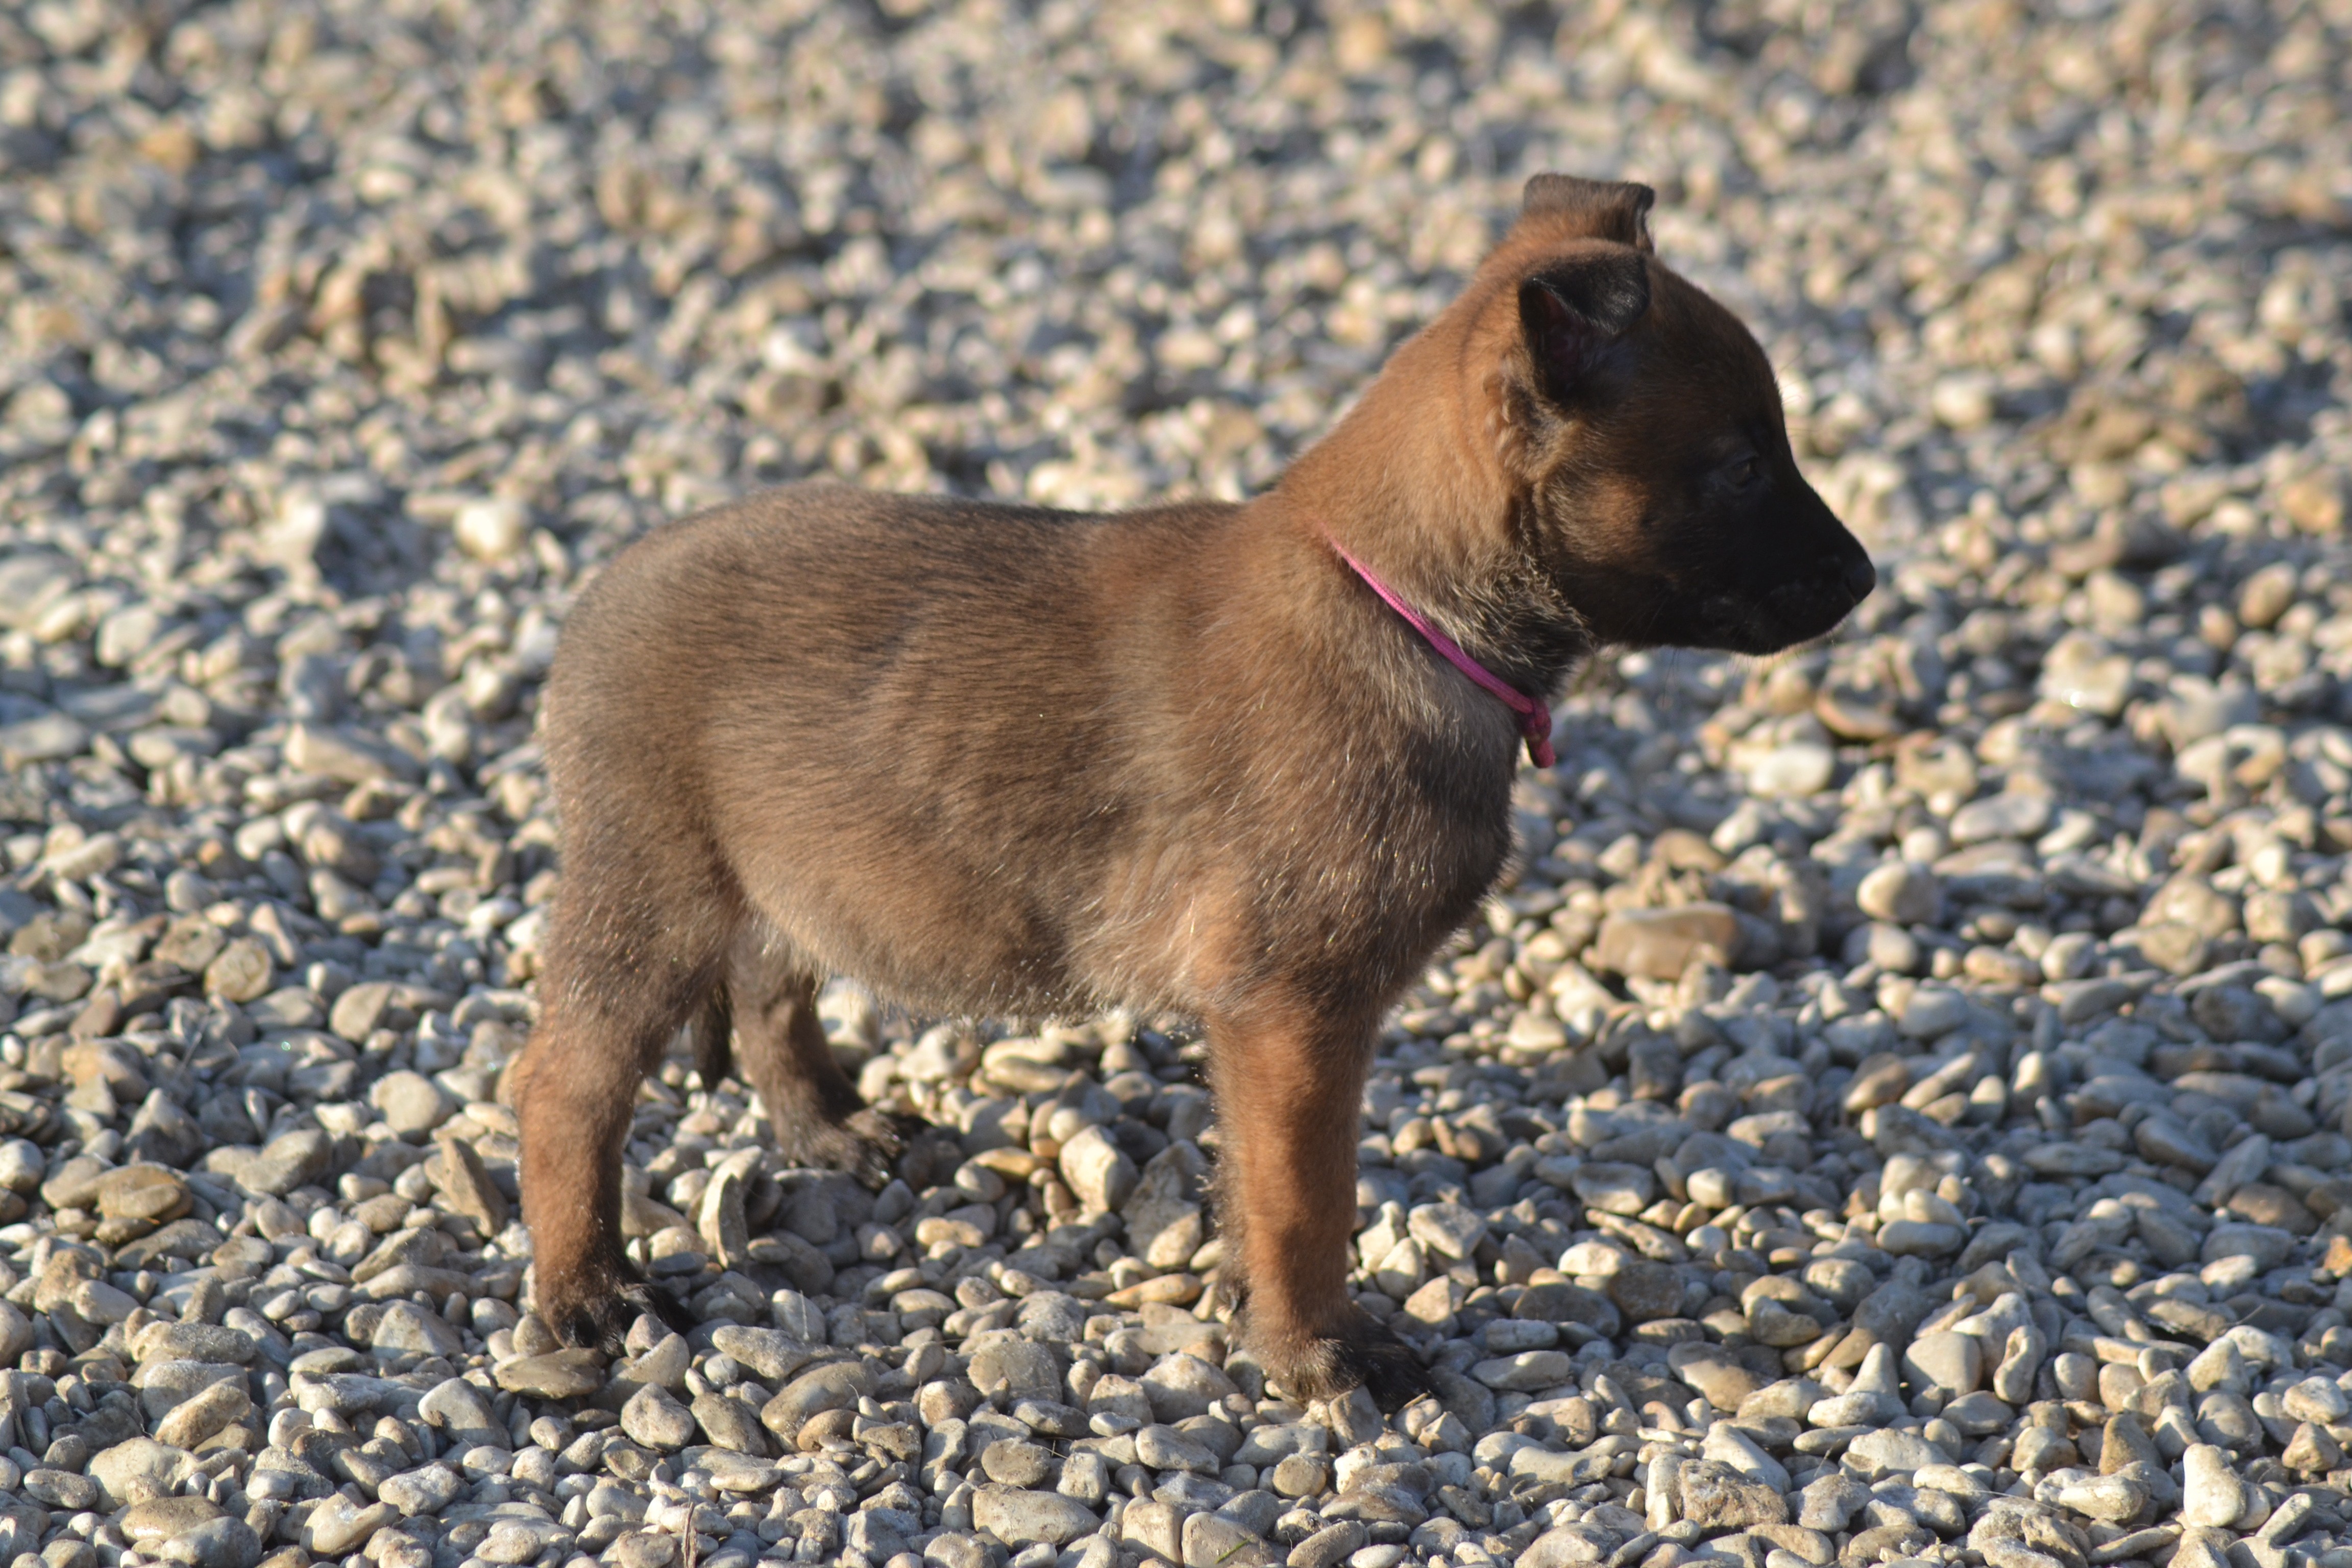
1535, 718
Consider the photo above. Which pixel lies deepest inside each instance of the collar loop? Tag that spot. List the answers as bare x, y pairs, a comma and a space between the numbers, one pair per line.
1535, 717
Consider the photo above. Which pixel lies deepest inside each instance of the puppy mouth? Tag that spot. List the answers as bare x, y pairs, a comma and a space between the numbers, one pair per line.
1789, 612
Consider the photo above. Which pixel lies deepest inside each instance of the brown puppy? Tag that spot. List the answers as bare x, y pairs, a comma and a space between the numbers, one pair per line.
999, 760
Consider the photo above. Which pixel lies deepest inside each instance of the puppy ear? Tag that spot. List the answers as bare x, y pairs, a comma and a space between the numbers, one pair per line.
1601, 210
1572, 312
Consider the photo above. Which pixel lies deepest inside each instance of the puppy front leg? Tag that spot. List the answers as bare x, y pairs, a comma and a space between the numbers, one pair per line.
1288, 1087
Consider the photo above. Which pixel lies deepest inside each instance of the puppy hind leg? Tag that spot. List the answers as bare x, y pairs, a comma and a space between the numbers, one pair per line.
710, 1037
820, 1122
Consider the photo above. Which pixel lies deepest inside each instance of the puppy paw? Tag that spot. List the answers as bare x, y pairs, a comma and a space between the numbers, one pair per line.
931, 1157
660, 1302
1363, 1354
864, 1143
594, 1321
596, 1313
1385, 1367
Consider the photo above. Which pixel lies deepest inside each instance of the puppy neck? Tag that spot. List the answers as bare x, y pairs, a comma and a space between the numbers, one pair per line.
1414, 484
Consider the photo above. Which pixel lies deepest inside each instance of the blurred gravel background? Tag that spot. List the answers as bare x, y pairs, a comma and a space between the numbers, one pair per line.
1897, 1113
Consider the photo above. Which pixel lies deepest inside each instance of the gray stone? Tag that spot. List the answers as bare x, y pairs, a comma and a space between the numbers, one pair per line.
464, 1184
460, 1408
1889, 1313
2022, 1357
355, 1014
1659, 944
1720, 1377
1097, 1170
48, 737
655, 1419
1162, 1448
1874, 1455
1020, 1518
216, 1544
773, 1353
836, 1386
2245, 1162
165, 1385
63, 1490
1726, 1444
411, 1105
1448, 1230
1020, 1464
2115, 1499
1932, 1013
31, 582
338, 1525
1329, 1546
1165, 1223
1181, 1384
1792, 771
1219, 1541
239, 972
729, 1424
1616, 1187
1275, 1441
2210, 1493
1920, 1238
491, 528
1946, 1364
425, 1490
1830, 1501
1567, 1546
557, 1374
346, 757
2008, 816
2318, 1399
1901, 892
1017, 1369
293, 1161
407, 1328
648, 1549
204, 1414
1787, 1399
1645, 1291
168, 1341
2165, 1138
153, 1522
2266, 1247
1527, 1371
1716, 1497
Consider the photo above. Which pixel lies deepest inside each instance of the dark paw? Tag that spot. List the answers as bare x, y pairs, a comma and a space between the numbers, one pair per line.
599, 1317
594, 1322
1385, 1368
660, 1302
930, 1158
864, 1143
1365, 1354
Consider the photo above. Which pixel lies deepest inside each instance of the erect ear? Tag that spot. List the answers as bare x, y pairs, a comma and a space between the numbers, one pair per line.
1604, 209
1573, 311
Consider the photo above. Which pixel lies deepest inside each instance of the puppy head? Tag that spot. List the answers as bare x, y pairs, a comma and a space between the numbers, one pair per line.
1644, 426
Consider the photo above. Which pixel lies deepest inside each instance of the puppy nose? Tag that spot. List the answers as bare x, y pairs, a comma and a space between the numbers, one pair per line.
1859, 576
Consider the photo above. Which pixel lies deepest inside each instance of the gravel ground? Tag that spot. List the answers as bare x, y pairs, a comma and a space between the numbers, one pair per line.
1896, 1114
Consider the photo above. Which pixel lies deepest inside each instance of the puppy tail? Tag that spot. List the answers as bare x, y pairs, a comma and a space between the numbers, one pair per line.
711, 1035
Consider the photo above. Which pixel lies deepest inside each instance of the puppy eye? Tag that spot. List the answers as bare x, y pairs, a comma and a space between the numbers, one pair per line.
1742, 470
